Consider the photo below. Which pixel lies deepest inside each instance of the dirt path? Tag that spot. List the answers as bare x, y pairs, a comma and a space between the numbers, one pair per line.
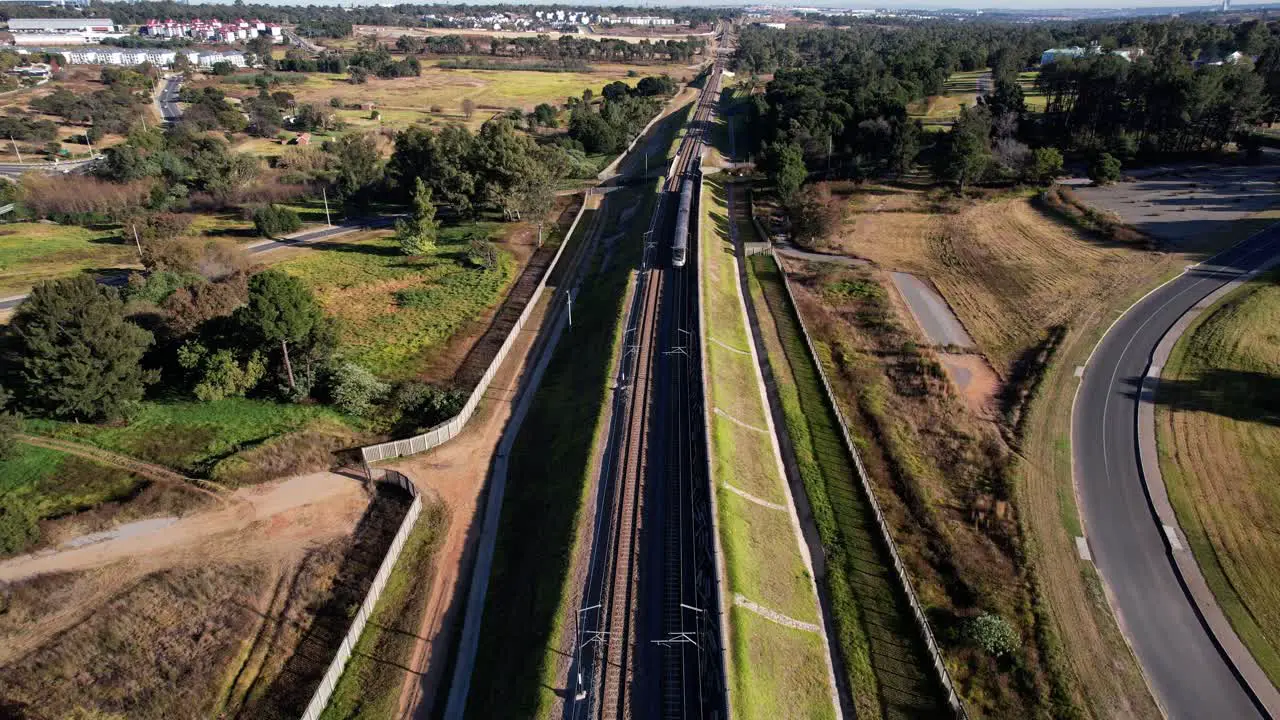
457, 471
150, 471
277, 518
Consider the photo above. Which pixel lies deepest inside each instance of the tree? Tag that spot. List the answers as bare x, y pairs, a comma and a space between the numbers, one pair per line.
442, 159
357, 75
788, 170
615, 90
545, 115
417, 236
482, 253
218, 375
223, 68
10, 425
77, 356
969, 147
813, 214
468, 108
1046, 164
1104, 170
359, 165
281, 309
275, 220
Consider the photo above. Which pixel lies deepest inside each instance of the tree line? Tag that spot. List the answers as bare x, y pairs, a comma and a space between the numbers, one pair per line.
564, 49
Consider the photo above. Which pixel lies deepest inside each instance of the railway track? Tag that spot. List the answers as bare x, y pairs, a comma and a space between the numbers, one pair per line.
647, 633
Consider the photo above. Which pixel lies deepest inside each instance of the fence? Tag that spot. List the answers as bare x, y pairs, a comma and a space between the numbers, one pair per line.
448, 429
953, 698
320, 699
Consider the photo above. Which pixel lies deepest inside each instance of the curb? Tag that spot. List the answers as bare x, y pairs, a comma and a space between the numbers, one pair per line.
1244, 665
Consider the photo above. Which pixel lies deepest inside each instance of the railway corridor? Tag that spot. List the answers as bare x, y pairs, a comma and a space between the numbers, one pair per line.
648, 639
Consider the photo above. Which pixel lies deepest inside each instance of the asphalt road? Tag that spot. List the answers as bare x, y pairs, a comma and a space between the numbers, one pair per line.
14, 171
1187, 672
931, 312
168, 99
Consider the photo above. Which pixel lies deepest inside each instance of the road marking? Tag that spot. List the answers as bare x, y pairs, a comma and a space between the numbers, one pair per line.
748, 496
1082, 548
1173, 538
774, 615
1079, 371
736, 421
730, 348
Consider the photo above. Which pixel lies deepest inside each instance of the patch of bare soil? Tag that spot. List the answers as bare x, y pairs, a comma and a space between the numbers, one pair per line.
976, 381
457, 472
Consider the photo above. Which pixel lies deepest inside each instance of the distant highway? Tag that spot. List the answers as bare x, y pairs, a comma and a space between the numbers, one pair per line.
13, 171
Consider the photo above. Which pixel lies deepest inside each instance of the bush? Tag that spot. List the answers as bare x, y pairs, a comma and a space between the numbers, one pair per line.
158, 286
993, 634
426, 405
1046, 164
482, 253
354, 389
274, 220
219, 375
1104, 170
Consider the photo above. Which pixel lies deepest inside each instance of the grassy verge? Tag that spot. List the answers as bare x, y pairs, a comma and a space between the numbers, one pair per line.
33, 252
371, 683
195, 437
1219, 444
547, 482
393, 311
888, 669
762, 556
38, 483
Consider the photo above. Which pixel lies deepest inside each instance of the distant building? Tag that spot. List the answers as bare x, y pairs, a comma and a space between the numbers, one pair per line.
1053, 55
101, 55
199, 30
774, 25
1130, 54
43, 31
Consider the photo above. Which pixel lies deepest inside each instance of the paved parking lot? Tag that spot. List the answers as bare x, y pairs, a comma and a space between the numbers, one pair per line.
1182, 205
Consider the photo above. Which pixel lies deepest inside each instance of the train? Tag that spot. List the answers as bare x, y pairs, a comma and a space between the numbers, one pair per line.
680, 242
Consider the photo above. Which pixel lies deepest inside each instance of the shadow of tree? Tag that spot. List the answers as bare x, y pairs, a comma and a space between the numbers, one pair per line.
1237, 394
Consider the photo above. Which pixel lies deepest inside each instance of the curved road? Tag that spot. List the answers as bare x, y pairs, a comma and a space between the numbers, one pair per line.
1188, 674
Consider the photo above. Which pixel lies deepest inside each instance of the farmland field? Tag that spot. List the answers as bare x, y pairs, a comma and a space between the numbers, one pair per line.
1218, 434
404, 101
763, 559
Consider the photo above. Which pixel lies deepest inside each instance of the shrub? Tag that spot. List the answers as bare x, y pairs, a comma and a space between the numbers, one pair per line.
1104, 170
274, 220
993, 634
426, 405
335, 102
482, 253
354, 389
158, 286
219, 375
1046, 164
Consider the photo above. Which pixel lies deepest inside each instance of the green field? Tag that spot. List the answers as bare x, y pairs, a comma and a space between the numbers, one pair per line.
547, 483
762, 557
371, 683
195, 437
887, 667
31, 252
1218, 433
37, 483
393, 311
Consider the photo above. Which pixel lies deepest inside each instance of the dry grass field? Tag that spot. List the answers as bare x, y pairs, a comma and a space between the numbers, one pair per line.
234, 612
1032, 287
1218, 432
1009, 270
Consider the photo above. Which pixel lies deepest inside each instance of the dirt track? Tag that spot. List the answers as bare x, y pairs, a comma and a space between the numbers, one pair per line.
275, 519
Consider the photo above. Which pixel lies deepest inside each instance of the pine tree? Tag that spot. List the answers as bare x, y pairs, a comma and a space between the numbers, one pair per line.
417, 236
78, 357
280, 310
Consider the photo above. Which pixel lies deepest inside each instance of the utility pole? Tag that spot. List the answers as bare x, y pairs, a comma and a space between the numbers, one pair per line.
15, 148
539, 233
569, 295
829, 141
87, 141
137, 241
325, 194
